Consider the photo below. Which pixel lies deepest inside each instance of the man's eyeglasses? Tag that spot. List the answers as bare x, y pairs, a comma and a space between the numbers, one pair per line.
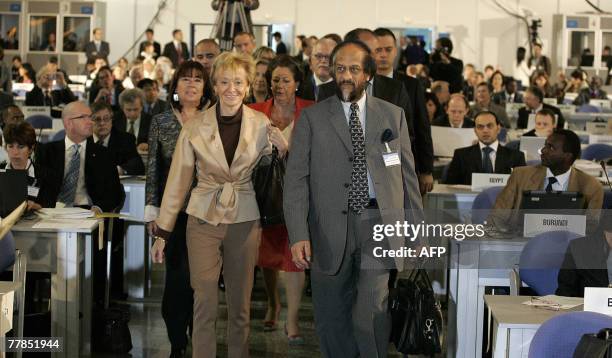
82, 116
321, 57
102, 119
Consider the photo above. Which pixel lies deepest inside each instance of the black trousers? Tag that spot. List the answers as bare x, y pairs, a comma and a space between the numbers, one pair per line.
177, 302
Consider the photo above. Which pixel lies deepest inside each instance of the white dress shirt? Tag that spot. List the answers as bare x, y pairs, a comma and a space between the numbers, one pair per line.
493, 153
362, 118
562, 180
319, 82
81, 197
136, 126
104, 141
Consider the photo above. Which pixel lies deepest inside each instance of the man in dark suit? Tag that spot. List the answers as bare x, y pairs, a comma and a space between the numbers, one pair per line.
281, 48
45, 93
106, 89
320, 71
487, 156
6, 99
422, 146
329, 209
152, 104
132, 119
456, 114
444, 67
149, 40
509, 95
97, 47
176, 50
121, 146
534, 102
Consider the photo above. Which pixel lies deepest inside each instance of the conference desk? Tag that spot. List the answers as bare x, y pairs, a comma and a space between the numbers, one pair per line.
475, 265
67, 254
449, 203
515, 324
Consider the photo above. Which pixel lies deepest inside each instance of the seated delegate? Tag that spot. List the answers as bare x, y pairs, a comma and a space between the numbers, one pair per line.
486, 156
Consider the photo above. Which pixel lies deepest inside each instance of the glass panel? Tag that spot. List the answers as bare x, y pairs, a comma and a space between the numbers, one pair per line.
43, 33
581, 48
76, 33
9, 24
606, 56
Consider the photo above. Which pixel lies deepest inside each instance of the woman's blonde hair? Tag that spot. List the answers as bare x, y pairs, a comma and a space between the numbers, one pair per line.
233, 61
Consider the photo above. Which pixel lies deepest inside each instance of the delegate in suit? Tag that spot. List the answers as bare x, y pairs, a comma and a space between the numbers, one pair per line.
487, 156
337, 185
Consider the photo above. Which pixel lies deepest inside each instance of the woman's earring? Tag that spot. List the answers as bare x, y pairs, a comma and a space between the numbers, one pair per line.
175, 97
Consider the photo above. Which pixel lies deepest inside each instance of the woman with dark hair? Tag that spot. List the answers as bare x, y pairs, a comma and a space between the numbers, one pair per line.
20, 143
433, 106
187, 101
522, 71
27, 74
497, 82
540, 79
283, 109
221, 146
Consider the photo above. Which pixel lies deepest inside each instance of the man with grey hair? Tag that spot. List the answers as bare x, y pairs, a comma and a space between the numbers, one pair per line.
132, 119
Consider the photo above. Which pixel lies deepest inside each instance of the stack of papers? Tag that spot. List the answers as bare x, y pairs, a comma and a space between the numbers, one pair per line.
65, 213
556, 303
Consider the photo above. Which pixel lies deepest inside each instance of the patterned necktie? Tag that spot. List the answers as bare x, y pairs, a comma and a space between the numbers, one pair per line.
131, 128
71, 178
551, 181
487, 165
358, 192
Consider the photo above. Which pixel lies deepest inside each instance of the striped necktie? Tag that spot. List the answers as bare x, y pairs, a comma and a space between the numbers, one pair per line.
358, 193
71, 177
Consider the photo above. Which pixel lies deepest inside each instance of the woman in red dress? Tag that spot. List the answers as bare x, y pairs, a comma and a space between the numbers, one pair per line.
283, 109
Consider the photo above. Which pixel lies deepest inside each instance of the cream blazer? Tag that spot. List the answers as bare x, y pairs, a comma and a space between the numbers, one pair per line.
224, 193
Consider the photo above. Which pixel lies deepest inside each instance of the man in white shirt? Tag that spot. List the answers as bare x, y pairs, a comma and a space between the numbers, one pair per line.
319, 69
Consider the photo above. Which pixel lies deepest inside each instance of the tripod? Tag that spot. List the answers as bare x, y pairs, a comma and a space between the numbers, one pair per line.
225, 25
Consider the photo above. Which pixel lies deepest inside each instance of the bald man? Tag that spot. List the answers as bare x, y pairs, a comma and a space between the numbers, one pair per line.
82, 173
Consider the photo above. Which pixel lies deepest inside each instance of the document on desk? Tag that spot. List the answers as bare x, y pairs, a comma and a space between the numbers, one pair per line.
58, 224
65, 213
554, 302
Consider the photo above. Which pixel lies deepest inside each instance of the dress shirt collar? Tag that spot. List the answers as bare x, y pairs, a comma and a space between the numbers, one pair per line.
69, 144
390, 74
562, 179
104, 141
493, 145
361, 103
319, 81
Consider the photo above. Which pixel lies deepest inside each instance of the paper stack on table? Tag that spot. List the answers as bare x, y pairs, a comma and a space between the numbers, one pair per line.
65, 218
554, 302
65, 213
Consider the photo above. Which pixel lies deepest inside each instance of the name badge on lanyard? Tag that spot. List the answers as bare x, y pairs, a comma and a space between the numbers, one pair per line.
33, 191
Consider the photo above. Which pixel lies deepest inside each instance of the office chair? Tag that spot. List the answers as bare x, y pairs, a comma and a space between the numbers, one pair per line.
597, 151
559, 336
513, 144
588, 108
540, 261
40, 121
483, 203
59, 135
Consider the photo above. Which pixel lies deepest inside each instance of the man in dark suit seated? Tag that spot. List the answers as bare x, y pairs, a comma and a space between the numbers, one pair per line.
422, 146
587, 261
47, 93
534, 102
456, 114
176, 50
106, 89
487, 156
556, 173
509, 95
81, 173
97, 47
149, 40
152, 105
544, 124
320, 71
121, 146
132, 119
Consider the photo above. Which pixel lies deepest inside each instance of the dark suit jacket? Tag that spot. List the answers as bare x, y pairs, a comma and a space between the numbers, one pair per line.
468, 160
500, 98
91, 51
101, 177
442, 121
523, 116
530, 133
156, 46
386, 89
122, 150
36, 97
451, 73
584, 266
93, 93
120, 123
422, 145
6, 99
281, 48
158, 107
172, 54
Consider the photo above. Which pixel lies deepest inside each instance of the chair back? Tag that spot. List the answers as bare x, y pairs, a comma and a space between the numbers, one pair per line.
40, 121
483, 203
597, 151
7, 252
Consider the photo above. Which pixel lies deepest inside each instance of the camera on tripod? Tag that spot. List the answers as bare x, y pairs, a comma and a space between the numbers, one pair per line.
533, 29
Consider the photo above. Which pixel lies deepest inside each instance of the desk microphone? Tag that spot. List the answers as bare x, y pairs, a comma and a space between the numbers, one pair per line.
603, 165
40, 135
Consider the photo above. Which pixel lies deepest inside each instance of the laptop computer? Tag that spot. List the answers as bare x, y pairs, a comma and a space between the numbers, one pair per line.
531, 146
13, 190
554, 201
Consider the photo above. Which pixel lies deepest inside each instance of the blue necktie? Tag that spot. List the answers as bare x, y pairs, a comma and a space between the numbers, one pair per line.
71, 178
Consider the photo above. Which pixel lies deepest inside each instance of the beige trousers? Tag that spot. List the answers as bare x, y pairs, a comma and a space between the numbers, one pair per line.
208, 247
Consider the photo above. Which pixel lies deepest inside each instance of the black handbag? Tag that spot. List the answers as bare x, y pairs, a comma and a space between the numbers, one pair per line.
416, 316
268, 178
595, 345
111, 333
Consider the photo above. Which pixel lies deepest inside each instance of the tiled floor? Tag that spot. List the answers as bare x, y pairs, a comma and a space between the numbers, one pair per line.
149, 332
